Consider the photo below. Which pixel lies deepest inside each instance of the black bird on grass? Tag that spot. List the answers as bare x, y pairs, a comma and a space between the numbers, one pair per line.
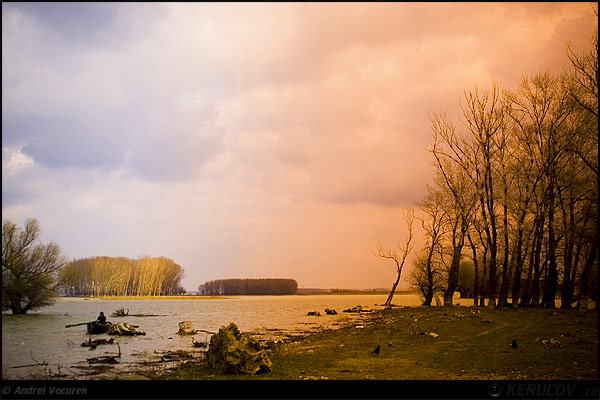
377, 349
514, 344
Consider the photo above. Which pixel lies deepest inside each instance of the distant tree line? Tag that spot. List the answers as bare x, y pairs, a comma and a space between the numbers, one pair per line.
264, 286
512, 215
120, 276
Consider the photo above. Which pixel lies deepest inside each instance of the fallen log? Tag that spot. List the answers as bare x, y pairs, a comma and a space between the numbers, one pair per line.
178, 355
103, 360
123, 328
93, 343
148, 315
28, 365
31, 365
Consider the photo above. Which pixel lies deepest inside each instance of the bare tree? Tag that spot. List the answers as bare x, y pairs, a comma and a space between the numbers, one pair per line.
453, 164
398, 256
426, 273
29, 269
485, 119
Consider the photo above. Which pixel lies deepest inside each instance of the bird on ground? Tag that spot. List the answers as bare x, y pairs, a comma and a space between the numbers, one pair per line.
514, 344
377, 349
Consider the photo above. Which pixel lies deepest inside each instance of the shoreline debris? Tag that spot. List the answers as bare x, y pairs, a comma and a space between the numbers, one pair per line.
186, 328
199, 344
358, 309
124, 329
105, 359
232, 352
92, 344
178, 355
120, 312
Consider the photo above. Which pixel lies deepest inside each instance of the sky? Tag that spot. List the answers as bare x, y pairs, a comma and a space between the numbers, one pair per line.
249, 140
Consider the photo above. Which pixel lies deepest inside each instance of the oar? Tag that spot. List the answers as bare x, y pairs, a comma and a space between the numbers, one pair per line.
82, 323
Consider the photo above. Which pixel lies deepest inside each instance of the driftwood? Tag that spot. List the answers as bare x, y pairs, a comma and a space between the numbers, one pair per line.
31, 365
358, 309
186, 328
105, 359
123, 328
120, 312
178, 355
148, 315
199, 344
93, 343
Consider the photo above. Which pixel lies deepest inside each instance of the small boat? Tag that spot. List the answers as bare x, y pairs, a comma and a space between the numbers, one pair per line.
96, 327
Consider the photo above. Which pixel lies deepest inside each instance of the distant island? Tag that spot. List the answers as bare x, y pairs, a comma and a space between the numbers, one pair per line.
345, 291
265, 286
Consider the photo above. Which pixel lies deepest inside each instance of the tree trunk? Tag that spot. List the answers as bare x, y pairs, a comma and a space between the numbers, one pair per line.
506, 267
516, 286
551, 283
476, 265
388, 302
453, 276
584, 287
483, 275
429, 293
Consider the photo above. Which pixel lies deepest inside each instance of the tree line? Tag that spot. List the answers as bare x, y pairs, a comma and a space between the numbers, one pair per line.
265, 286
515, 195
120, 276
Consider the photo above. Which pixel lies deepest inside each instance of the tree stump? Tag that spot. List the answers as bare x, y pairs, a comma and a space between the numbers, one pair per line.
232, 352
186, 328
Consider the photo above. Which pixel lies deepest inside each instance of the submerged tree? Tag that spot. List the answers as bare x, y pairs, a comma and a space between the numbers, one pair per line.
29, 269
120, 276
398, 256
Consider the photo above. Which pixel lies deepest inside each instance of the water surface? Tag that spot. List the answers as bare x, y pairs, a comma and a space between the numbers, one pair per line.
42, 337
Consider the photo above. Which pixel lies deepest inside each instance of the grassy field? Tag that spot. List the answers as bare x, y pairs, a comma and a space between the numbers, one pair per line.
471, 345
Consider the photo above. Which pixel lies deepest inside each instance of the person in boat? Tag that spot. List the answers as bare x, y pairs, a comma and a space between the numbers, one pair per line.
101, 318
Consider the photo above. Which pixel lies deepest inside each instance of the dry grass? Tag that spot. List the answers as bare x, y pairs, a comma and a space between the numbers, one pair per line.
471, 344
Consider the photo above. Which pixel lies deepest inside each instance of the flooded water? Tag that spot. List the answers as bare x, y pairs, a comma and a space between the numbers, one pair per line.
41, 337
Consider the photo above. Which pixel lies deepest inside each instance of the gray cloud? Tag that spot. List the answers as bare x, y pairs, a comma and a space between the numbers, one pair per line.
75, 24
241, 135
59, 142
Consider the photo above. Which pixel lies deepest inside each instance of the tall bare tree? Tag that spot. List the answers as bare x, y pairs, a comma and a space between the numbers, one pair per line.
399, 254
452, 164
426, 274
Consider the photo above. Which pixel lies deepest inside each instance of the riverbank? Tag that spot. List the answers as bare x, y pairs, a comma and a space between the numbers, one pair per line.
429, 343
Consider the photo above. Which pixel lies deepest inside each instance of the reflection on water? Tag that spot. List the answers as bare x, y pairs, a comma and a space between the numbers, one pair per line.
42, 336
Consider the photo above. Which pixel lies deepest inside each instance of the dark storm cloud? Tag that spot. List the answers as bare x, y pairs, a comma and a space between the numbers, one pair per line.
79, 23
58, 142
